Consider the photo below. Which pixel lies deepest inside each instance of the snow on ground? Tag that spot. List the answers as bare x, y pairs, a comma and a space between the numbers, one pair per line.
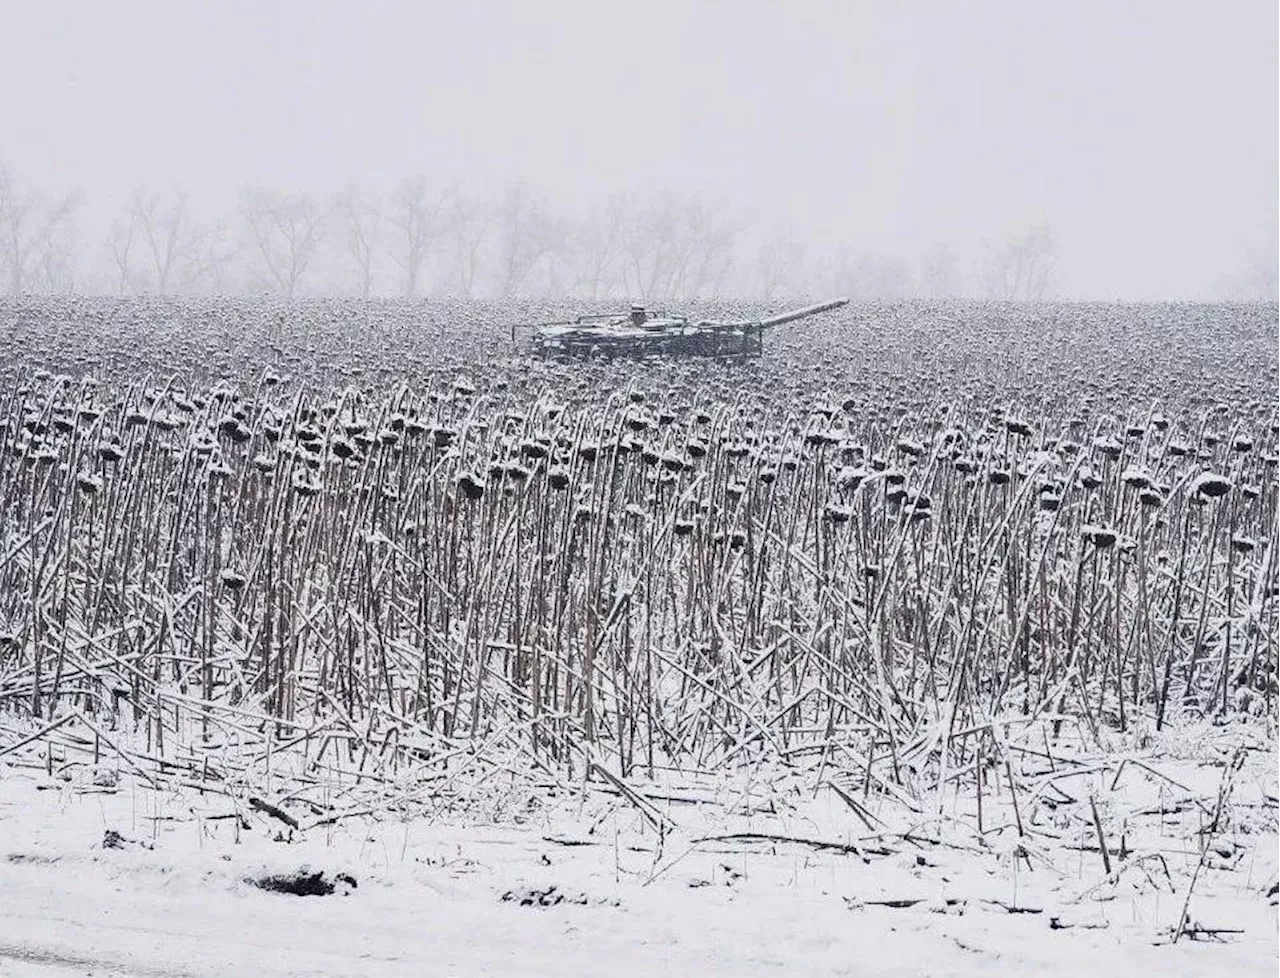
116, 879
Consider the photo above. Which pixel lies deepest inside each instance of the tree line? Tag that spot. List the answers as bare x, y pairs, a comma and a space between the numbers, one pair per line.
423, 238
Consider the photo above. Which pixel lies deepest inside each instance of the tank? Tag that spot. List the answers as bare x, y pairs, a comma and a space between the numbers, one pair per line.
646, 333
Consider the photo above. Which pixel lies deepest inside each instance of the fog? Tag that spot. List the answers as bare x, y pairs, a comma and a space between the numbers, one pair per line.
884, 149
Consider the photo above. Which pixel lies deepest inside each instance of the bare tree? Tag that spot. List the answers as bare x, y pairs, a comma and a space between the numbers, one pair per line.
779, 263
598, 244
159, 245
939, 274
55, 246
677, 247
37, 236
359, 214
168, 234
468, 228
121, 239
286, 231
214, 257
706, 242
525, 235
1021, 268
17, 214
559, 270
419, 218
651, 248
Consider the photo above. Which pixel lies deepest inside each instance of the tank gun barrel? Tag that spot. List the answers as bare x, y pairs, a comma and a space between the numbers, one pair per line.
794, 314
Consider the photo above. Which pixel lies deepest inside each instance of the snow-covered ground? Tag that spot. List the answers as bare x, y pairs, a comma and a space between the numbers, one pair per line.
581, 883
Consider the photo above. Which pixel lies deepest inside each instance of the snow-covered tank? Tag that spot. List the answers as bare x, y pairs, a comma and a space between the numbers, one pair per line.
644, 333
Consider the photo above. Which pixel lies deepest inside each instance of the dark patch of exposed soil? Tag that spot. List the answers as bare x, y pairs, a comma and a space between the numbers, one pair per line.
303, 883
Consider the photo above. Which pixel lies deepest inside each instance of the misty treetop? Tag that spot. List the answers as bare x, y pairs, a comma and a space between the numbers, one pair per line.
437, 238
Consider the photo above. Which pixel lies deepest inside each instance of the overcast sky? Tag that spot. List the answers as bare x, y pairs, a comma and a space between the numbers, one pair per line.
1145, 133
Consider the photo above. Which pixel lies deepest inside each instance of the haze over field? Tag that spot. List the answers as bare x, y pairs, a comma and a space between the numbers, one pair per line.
895, 593
883, 150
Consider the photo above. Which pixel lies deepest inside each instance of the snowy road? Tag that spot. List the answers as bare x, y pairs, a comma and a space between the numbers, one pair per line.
175, 901
126, 917
92, 919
